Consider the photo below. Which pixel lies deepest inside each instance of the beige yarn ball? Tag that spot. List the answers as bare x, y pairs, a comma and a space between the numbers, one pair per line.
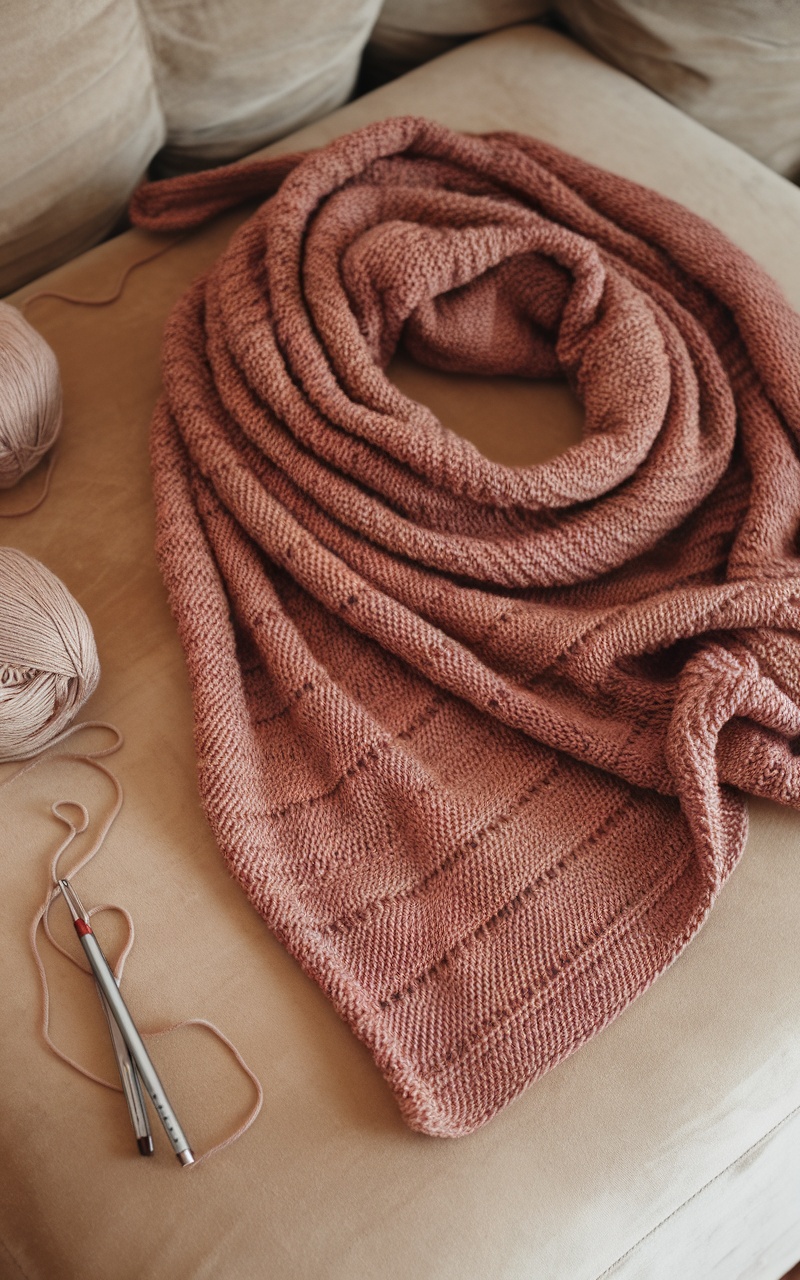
30, 396
48, 658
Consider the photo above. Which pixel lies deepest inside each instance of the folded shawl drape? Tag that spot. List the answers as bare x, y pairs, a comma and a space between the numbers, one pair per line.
475, 738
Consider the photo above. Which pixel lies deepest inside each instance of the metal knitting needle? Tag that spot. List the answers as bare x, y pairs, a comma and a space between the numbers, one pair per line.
129, 1080
106, 981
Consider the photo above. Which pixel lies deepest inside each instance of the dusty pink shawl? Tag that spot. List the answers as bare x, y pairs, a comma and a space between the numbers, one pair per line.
474, 738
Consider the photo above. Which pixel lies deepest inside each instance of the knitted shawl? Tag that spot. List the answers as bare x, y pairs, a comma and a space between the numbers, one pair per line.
474, 738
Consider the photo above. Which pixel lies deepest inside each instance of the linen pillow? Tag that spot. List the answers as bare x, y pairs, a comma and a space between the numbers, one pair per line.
79, 123
234, 75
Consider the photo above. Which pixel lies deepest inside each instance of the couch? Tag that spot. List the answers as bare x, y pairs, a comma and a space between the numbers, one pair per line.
668, 1146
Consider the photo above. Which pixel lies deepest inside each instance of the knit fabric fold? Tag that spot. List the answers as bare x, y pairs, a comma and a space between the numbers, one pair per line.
476, 739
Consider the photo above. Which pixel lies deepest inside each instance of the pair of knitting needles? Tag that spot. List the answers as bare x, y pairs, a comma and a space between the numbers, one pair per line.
133, 1061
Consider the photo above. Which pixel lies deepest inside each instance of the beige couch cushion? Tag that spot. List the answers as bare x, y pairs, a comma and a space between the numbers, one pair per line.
79, 123
734, 67
90, 90
235, 74
666, 1147
409, 32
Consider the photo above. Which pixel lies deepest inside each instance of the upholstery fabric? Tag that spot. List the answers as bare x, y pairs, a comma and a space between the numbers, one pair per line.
89, 91
233, 75
79, 123
409, 32
733, 67
598, 1167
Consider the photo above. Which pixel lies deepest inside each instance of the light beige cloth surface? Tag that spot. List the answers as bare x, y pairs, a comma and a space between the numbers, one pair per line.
667, 1146
409, 32
733, 67
233, 75
91, 89
79, 124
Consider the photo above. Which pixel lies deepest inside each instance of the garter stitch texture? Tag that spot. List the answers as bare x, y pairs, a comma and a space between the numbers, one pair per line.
474, 738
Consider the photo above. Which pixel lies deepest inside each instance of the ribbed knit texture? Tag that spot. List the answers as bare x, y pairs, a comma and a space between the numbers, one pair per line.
472, 737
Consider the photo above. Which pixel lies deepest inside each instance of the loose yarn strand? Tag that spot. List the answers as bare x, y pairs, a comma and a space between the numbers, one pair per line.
37, 502
94, 759
252, 1114
30, 385
17, 429
78, 301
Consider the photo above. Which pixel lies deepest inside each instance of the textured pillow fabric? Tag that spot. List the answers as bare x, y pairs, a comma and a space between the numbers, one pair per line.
91, 90
234, 75
734, 67
79, 123
409, 32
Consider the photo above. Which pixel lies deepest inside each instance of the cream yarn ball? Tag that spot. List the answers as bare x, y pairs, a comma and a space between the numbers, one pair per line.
30, 396
48, 658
